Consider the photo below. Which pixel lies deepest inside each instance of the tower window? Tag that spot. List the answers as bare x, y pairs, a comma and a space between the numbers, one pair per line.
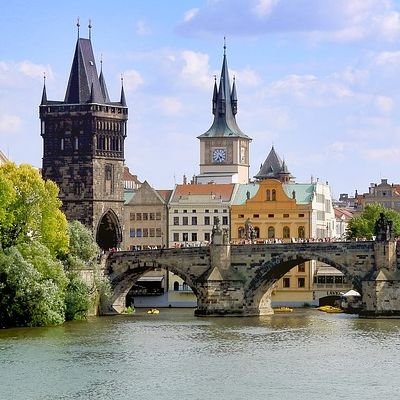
62, 144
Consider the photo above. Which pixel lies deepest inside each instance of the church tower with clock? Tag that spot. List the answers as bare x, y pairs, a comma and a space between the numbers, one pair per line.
224, 148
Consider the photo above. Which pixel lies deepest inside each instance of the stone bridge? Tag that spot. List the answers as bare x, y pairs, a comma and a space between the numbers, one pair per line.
238, 280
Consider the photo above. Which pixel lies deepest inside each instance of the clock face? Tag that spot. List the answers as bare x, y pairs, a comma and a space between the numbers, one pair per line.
219, 155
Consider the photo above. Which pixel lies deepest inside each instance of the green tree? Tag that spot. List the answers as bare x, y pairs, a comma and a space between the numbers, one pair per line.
30, 209
27, 297
363, 225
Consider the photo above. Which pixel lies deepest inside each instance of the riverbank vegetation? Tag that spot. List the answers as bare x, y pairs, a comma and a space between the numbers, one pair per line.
42, 256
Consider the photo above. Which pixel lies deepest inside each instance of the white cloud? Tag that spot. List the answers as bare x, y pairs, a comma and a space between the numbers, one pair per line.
34, 70
132, 80
263, 8
170, 106
391, 153
246, 76
384, 104
142, 28
190, 14
388, 58
12, 73
196, 68
9, 123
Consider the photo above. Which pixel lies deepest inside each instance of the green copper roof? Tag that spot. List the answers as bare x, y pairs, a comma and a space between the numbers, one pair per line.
224, 108
304, 192
245, 191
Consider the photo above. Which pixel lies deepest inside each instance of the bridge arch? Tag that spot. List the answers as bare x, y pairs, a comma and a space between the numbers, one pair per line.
259, 289
109, 231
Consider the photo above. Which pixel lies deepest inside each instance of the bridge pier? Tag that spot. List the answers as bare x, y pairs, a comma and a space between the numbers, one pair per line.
381, 289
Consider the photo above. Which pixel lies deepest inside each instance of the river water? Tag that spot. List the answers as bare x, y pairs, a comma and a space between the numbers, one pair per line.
302, 355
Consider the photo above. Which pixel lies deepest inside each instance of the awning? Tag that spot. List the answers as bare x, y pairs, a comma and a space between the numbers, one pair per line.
150, 279
352, 293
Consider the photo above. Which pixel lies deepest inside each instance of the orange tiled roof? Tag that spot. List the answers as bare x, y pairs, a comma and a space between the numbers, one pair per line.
222, 190
165, 194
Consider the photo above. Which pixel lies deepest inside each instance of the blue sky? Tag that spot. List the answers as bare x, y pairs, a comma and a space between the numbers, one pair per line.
318, 79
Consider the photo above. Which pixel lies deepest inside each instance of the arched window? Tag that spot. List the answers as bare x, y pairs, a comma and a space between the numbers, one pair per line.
257, 232
301, 232
241, 233
273, 195
268, 195
286, 232
271, 232
176, 286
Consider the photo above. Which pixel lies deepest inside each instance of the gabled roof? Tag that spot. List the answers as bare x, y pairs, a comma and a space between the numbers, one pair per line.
165, 194
304, 192
146, 195
224, 108
84, 84
221, 191
273, 167
244, 192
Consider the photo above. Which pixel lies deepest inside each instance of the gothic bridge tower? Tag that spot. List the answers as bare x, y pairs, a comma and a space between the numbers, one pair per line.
224, 148
83, 148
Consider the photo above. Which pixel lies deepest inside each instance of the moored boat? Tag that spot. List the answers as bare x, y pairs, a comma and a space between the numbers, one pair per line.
330, 309
283, 309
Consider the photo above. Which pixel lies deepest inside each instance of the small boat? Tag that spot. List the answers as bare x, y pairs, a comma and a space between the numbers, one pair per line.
283, 309
153, 311
330, 309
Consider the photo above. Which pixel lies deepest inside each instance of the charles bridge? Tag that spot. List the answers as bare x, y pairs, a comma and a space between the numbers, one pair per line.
238, 280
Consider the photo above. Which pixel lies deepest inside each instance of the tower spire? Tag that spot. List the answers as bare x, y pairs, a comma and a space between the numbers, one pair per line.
90, 29
78, 25
123, 100
44, 94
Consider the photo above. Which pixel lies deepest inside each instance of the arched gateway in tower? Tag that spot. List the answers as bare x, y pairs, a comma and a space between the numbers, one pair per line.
83, 148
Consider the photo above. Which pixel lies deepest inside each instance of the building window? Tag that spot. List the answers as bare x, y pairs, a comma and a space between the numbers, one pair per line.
301, 232
158, 232
158, 216
185, 221
286, 232
152, 232
285, 215
301, 282
256, 215
216, 219
176, 236
132, 216
286, 282
271, 215
271, 232
132, 232
215, 211
138, 216
273, 195
301, 267
206, 211
176, 220
175, 211
224, 210
257, 232
301, 215
185, 237
176, 286
241, 233
185, 211
268, 195
207, 220
139, 232
194, 237
225, 220
145, 232
62, 144
145, 217
207, 236
76, 143
241, 216
152, 216
193, 211
194, 220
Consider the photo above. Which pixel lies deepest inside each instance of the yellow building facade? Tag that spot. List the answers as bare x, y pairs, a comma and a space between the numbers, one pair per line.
270, 211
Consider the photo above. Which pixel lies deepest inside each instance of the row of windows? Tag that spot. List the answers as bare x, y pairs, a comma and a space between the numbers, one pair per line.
207, 220
271, 232
193, 237
145, 232
110, 125
112, 143
330, 279
145, 216
301, 282
272, 215
205, 211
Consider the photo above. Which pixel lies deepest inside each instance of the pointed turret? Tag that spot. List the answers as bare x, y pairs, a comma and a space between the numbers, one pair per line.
234, 97
224, 107
44, 94
103, 85
274, 168
215, 96
83, 75
122, 100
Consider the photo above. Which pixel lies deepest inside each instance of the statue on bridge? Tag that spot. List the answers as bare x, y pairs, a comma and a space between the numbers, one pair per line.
249, 231
383, 229
219, 235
